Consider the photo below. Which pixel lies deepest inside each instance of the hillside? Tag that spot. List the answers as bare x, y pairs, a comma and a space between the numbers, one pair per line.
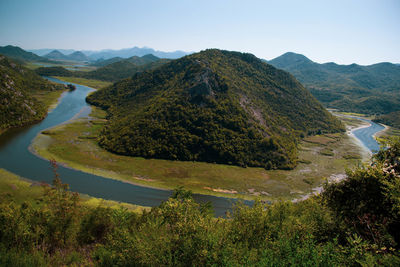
391, 119
111, 72
19, 54
103, 62
213, 106
56, 55
75, 56
134, 51
18, 106
373, 89
54, 71
78, 56
134, 59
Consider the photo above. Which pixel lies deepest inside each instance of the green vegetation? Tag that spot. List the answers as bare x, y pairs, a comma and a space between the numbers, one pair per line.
110, 72
353, 223
75, 144
373, 89
20, 55
75, 56
104, 62
213, 106
54, 71
87, 82
24, 96
391, 119
21, 190
122, 69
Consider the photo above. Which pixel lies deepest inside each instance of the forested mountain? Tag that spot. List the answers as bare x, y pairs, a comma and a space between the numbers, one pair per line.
134, 51
19, 54
17, 105
366, 89
56, 55
75, 56
213, 106
103, 62
118, 70
78, 56
111, 72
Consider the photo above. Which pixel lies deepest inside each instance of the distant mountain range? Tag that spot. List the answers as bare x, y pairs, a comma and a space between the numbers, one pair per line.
373, 89
74, 56
113, 69
109, 53
20, 55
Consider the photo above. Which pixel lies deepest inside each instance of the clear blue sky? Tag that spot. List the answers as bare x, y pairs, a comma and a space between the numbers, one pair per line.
344, 31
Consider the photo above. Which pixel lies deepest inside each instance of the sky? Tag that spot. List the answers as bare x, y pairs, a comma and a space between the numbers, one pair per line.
341, 31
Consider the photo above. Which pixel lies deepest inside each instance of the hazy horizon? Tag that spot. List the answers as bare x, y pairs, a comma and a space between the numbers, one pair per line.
344, 32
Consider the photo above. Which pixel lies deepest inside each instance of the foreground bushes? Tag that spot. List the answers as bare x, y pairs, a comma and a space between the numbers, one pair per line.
353, 223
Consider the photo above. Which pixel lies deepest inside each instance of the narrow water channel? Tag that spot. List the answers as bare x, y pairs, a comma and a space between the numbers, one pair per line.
16, 158
366, 134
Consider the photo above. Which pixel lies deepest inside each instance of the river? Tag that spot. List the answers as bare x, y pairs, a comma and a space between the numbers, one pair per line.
16, 158
366, 134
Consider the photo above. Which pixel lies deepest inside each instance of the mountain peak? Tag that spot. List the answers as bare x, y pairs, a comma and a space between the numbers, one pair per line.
290, 58
78, 56
20, 54
151, 57
214, 106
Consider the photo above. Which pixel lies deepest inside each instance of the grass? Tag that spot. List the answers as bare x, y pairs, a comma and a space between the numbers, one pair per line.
87, 82
75, 145
68, 65
22, 190
49, 99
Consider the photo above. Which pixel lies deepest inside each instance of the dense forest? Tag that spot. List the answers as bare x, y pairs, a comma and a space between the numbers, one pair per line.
18, 85
113, 71
373, 89
352, 223
214, 106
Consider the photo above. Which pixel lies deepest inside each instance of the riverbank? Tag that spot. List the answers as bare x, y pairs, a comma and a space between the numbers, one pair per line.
95, 84
23, 190
361, 125
74, 145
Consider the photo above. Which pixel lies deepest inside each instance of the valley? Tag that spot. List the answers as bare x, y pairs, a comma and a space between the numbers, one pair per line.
74, 144
320, 157
187, 133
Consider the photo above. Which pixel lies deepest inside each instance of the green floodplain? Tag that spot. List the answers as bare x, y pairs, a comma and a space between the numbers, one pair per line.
321, 158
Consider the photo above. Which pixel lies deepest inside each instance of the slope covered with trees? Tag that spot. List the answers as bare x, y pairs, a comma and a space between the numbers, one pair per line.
123, 69
352, 223
391, 119
110, 72
213, 106
17, 105
373, 89
21, 55
75, 56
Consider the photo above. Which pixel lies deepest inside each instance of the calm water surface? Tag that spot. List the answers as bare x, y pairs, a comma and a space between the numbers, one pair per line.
365, 135
15, 157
